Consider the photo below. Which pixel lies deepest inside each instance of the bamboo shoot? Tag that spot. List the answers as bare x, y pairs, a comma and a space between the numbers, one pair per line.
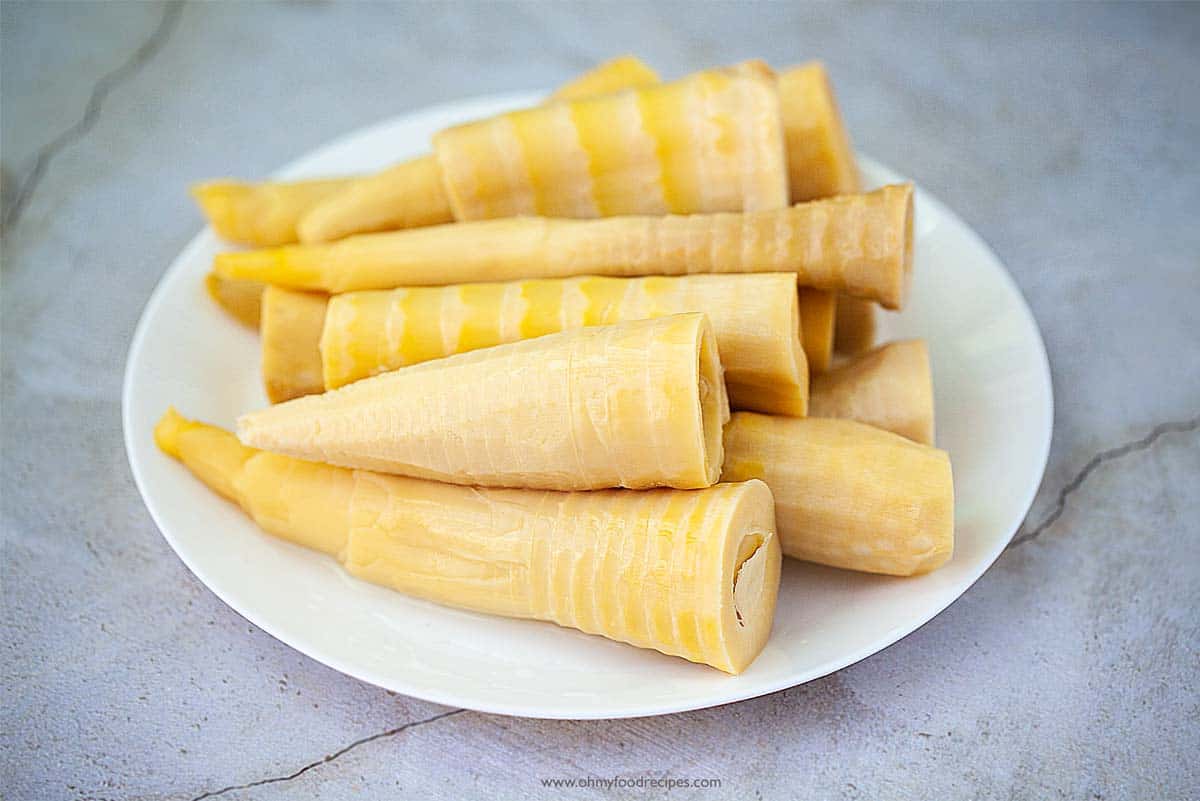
854, 243
817, 310
821, 164
755, 319
291, 341
846, 494
820, 159
712, 141
262, 214
639, 404
689, 573
889, 388
406, 195
242, 299
854, 329
275, 212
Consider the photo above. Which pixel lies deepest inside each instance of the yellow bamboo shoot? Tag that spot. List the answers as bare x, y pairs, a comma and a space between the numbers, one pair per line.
407, 195
614, 75
262, 214
755, 319
854, 329
846, 494
711, 141
291, 339
638, 404
817, 310
242, 299
821, 164
820, 159
854, 243
274, 212
889, 388
690, 573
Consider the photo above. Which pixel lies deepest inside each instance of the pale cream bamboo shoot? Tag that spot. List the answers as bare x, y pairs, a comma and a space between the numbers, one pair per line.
242, 299
262, 214
817, 315
846, 494
692, 573
854, 329
855, 243
407, 195
889, 388
291, 340
712, 141
274, 212
755, 319
639, 404
821, 164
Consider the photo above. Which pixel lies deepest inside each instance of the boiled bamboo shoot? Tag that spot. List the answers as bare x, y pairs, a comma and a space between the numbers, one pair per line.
854, 329
291, 340
817, 310
274, 212
754, 317
846, 494
820, 159
614, 75
854, 243
889, 388
406, 195
688, 573
821, 164
262, 214
712, 141
639, 404
242, 299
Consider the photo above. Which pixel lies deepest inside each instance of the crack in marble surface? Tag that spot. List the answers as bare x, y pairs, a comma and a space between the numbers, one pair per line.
1105, 456
325, 760
91, 113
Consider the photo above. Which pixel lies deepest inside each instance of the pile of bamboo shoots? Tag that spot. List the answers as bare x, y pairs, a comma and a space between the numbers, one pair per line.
601, 362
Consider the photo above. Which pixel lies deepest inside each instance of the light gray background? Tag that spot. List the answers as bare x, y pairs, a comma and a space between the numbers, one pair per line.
1066, 135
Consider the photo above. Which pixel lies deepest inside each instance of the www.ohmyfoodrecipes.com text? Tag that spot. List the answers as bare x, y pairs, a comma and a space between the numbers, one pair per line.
633, 782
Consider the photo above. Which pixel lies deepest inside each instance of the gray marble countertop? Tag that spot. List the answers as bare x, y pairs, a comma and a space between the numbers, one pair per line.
1066, 135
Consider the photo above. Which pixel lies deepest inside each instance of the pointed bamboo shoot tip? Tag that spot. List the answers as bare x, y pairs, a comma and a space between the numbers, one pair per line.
166, 433
253, 265
216, 199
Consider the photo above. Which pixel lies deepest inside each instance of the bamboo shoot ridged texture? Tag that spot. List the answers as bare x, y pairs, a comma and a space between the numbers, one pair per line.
689, 573
846, 494
262, 214
412, 193
821, 164
712, 141
859, 244
406, 194
754, 319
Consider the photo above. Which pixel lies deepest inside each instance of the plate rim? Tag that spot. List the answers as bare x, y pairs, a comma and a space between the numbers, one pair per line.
298, 167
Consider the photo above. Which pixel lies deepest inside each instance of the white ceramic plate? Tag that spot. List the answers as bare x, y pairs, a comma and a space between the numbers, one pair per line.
994, 414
